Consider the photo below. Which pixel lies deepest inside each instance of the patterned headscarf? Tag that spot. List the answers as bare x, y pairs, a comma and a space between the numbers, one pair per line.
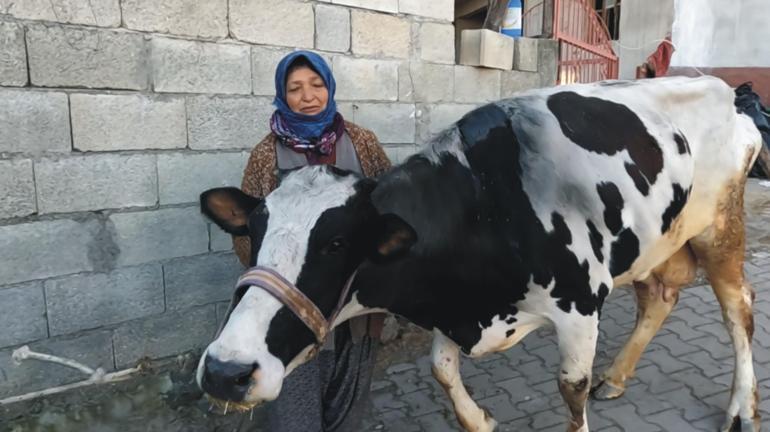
303, 133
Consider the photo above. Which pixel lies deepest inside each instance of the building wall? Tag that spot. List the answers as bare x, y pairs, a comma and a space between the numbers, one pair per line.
116, 114
706, 33
642, 26
715, 33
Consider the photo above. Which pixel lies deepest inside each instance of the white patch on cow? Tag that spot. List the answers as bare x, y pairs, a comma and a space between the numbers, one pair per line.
300, 359
494, 338
533, 312
577, 335
447, 142
294, 209
353, 309
538, 299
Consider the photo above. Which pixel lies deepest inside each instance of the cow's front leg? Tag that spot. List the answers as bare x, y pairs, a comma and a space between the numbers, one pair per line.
577, 346
446, 369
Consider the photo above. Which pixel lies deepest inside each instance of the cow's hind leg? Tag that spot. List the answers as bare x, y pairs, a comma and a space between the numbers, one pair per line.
446, 369
720, 250
655, 299
652, 310
577, 345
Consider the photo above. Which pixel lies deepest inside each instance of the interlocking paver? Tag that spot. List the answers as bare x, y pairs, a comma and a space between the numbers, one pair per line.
500, 370
596, 421
626, 416
408, 381
717, 350
481, 386
671, 420
502, 408
420, 403
667, 363
437, 422
398, 421
656, 381
694, 409
468, 368
673, 343
706, 364
545, 419
685, 314
710, 423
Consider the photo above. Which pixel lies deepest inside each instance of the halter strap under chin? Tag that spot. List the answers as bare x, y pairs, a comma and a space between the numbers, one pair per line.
291, 297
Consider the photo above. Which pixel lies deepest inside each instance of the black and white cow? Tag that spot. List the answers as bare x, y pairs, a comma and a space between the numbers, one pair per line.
526, 212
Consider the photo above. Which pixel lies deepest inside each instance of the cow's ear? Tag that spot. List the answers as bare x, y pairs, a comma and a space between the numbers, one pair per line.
229, 208
393, 238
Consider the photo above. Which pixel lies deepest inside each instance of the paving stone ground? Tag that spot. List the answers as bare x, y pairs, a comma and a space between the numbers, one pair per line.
682, 382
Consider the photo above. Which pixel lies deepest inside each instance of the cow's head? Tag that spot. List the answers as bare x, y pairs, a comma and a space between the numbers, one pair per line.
315, 229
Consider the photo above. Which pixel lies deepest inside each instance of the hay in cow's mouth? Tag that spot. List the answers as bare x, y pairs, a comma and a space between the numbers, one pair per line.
230, 406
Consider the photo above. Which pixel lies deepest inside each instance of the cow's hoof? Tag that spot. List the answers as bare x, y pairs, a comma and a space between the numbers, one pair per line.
737, 424
605, 390
490, 424
484, 424
573, 427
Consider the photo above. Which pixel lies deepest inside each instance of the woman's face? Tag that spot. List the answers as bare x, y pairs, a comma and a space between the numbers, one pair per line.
306, 92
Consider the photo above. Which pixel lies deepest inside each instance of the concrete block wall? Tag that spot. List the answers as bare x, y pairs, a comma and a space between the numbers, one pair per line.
116, 114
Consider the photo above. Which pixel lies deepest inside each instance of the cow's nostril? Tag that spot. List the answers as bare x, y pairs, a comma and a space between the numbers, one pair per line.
245, 378
227, 380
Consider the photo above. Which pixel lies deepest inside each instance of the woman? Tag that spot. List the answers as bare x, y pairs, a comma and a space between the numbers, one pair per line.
325, 394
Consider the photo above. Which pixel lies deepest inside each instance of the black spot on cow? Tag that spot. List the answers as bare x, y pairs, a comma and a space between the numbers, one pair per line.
639, 181
674, 207
624, 251
681, 143
510, 320
509, 333
601, 295
613, 206
560, 229
607, 127
571, 278
597, 241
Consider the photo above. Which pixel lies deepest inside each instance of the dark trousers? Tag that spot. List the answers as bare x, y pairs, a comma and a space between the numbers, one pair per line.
328, 393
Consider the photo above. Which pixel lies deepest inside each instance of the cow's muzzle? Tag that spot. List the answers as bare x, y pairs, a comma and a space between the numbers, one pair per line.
232, 384
227, 381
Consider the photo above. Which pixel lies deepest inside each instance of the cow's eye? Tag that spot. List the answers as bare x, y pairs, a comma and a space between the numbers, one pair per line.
335, 246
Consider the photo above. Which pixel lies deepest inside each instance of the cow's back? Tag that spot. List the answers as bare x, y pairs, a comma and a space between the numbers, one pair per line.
639, 165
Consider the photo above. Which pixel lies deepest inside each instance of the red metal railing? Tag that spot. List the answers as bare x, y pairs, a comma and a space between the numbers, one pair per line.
585, 48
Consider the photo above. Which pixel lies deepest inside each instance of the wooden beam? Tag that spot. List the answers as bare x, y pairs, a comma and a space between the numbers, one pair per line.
464, 8
496, 14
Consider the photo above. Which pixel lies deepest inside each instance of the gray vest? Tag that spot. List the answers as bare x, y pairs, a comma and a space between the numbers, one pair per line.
288, 160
